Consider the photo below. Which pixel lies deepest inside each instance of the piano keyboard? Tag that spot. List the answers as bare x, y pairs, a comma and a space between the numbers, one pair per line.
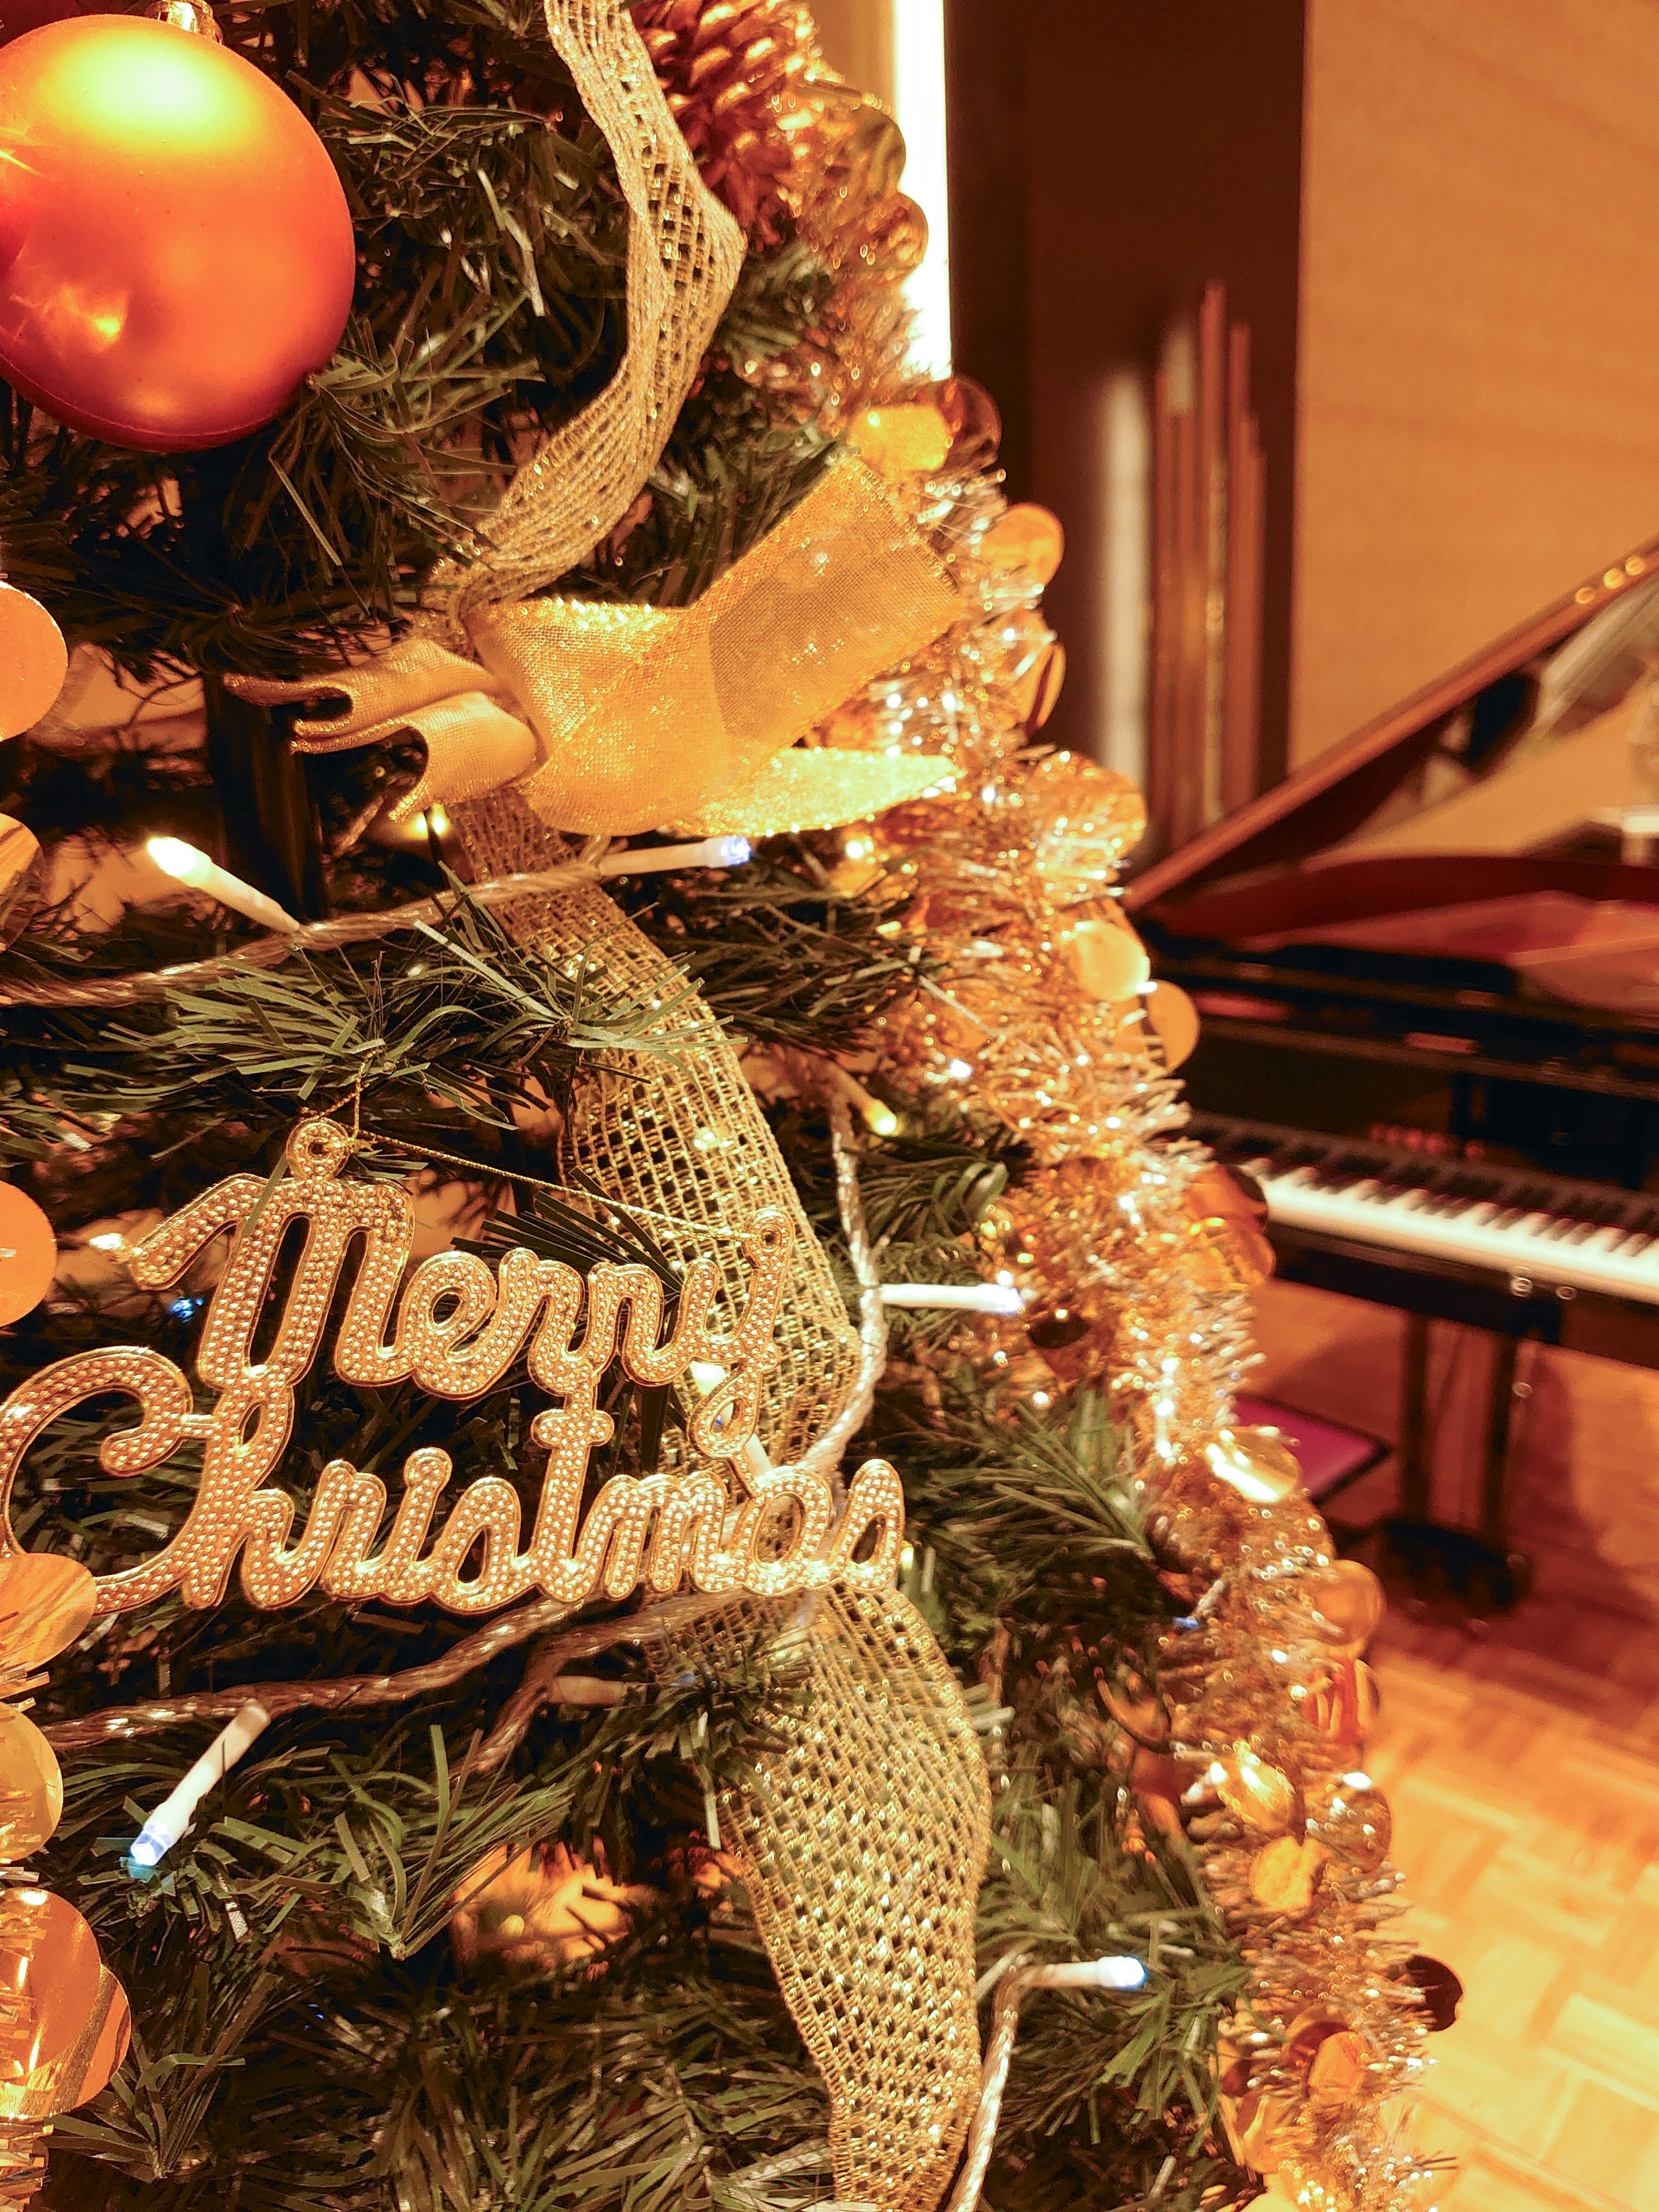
1538, 1230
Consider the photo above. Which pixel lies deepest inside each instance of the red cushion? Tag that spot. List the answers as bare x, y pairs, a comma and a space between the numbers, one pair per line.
1330, 1455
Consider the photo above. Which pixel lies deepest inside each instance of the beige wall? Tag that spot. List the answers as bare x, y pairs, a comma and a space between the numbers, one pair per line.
1478, 345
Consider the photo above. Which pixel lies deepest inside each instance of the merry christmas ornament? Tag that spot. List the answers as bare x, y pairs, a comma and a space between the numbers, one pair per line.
453, 1328
176, 253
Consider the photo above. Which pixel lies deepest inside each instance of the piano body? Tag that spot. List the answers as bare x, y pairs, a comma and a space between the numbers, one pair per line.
1427, 967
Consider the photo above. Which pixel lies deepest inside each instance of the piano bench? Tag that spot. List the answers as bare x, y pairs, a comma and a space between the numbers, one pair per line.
1332, 1455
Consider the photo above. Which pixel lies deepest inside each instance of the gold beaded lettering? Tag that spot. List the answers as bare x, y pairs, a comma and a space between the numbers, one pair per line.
456, 1329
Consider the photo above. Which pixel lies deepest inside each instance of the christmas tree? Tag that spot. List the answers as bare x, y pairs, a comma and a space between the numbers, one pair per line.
624, 1517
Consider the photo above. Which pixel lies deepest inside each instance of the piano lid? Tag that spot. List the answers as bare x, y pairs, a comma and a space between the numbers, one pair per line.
1350, 833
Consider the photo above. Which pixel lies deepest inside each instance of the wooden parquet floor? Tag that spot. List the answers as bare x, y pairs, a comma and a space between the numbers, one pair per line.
1521, 1760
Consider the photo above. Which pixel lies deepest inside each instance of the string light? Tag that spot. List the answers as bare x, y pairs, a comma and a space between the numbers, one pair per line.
183, 862
172, 1817
656, 859
956, 1297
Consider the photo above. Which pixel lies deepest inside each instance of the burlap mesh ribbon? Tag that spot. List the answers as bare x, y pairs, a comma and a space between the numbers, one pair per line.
684, 254
679, 1135
863, 1836
862, 1839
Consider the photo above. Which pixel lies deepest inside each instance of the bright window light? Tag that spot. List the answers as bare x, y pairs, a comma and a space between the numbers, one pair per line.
919, 105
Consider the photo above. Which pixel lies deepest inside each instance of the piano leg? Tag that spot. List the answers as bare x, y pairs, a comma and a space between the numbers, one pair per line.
1472, 1565
1481, 1568
1415, 1502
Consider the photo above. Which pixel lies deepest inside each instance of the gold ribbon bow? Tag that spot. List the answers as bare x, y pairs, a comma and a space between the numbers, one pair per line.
614, 718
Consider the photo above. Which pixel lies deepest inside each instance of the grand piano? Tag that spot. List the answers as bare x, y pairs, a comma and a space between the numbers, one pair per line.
1427, 966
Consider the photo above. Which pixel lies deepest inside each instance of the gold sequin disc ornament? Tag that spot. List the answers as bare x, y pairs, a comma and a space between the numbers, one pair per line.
46, 1603
1028, 542
49, 1974
1173, 1019
1107, 959
1337, 2073
31, 1786
1283, 1874
33, 661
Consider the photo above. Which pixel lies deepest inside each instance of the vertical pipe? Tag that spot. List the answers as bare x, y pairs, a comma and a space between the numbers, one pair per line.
1123, 445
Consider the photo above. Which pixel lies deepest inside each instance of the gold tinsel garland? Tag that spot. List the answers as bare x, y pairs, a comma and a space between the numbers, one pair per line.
1137, 1283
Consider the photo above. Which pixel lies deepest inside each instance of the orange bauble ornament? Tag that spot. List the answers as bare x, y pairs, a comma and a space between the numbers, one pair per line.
175, 249
29, 1254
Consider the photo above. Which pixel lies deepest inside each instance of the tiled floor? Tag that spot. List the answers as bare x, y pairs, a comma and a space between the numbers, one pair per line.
1522, 1764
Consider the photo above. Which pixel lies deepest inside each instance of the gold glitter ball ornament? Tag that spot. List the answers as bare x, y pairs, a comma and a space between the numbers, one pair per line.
31, 1786
1080, 820
46, 1603
1262, 1797
1106, 960
1351, 1818
539, 1909
1257, 1463
1348, 1607
29, 1254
